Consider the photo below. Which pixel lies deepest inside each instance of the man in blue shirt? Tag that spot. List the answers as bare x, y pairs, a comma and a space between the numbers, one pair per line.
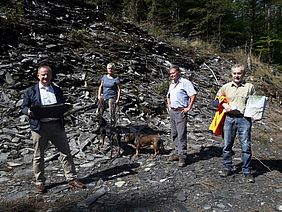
180, 99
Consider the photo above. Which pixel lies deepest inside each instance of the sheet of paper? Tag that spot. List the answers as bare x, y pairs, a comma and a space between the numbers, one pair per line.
255, 107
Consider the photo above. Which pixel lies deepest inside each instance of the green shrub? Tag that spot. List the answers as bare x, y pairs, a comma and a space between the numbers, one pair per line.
12, 11
78, 34
162, 88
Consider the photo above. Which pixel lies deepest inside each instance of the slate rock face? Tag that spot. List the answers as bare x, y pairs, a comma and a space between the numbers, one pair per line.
77, 42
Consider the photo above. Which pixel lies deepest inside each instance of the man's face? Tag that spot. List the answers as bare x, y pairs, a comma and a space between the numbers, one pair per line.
44, 76
174, 74
237, 75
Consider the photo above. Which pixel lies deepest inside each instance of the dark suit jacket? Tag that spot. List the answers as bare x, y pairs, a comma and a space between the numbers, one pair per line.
32, 97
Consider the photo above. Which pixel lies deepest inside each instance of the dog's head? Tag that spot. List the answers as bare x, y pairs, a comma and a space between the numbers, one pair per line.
129, 138
101, 121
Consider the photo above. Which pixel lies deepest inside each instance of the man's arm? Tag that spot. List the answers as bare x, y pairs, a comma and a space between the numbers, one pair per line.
192, 99
25, 108
225, 105
167, 104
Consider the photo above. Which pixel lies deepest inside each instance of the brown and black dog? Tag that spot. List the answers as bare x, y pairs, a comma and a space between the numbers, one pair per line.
106, 130
140, 140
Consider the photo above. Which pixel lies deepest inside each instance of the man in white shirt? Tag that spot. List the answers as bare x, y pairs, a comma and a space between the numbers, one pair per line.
44, 130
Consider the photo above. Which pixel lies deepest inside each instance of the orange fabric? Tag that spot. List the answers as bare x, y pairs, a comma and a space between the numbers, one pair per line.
218, 121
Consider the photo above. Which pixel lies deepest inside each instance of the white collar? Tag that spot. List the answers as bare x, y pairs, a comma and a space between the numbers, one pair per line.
177, 81
44, 87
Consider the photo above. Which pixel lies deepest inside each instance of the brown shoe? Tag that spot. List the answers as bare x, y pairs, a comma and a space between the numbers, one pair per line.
181, 162
40, 188
225, 173
249, 178
77, 184
173, 157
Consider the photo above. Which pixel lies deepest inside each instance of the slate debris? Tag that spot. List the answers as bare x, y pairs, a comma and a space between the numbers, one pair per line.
50, 34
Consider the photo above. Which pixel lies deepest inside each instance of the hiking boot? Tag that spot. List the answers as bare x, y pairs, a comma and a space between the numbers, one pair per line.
249, 178
181, 162
40, 188
224, 173
173, 157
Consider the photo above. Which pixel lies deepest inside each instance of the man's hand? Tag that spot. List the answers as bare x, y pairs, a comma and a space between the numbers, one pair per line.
227, 107
185, 110
30, 113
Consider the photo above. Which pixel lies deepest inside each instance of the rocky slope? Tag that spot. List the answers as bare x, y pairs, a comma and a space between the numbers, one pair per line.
78, 42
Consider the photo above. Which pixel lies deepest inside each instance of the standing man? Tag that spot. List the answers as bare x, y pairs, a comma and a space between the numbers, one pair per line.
180, 99
44, 130
109, 93
237, 92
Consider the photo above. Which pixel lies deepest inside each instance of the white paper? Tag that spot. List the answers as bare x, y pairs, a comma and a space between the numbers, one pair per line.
255, 107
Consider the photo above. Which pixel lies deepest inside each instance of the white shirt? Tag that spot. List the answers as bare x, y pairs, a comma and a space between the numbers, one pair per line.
47, 95
179, 92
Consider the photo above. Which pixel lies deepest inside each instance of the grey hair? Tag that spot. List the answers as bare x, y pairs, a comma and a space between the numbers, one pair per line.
44, 66
176, 67
111, 65
239, 65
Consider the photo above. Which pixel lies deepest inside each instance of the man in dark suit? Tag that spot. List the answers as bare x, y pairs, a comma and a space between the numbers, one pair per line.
44, 130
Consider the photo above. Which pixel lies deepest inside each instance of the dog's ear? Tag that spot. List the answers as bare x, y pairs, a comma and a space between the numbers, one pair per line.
103, 120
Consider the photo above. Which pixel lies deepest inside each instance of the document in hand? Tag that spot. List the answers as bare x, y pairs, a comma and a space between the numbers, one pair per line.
50, 111
255, 107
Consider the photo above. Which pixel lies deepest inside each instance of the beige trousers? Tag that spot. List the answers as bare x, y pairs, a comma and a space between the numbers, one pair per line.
55, 133
110, 103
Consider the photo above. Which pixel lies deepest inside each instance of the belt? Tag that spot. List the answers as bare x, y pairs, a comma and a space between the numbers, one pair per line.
176, 109
51, 121
235, 115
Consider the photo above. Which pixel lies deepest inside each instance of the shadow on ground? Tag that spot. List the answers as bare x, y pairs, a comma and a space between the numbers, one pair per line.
204, 154
112, 173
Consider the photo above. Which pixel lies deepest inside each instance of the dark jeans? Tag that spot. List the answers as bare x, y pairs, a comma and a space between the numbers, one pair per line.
242, 126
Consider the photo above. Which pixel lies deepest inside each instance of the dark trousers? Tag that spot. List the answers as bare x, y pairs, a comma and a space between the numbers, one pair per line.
178, 122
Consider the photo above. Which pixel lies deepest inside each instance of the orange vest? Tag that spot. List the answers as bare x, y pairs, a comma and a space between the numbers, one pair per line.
218, 121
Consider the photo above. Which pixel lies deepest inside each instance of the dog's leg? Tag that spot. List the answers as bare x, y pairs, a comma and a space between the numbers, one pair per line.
115, 138
102, 141
155, 152
156, 147
118, 143
138, 146
111, 146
